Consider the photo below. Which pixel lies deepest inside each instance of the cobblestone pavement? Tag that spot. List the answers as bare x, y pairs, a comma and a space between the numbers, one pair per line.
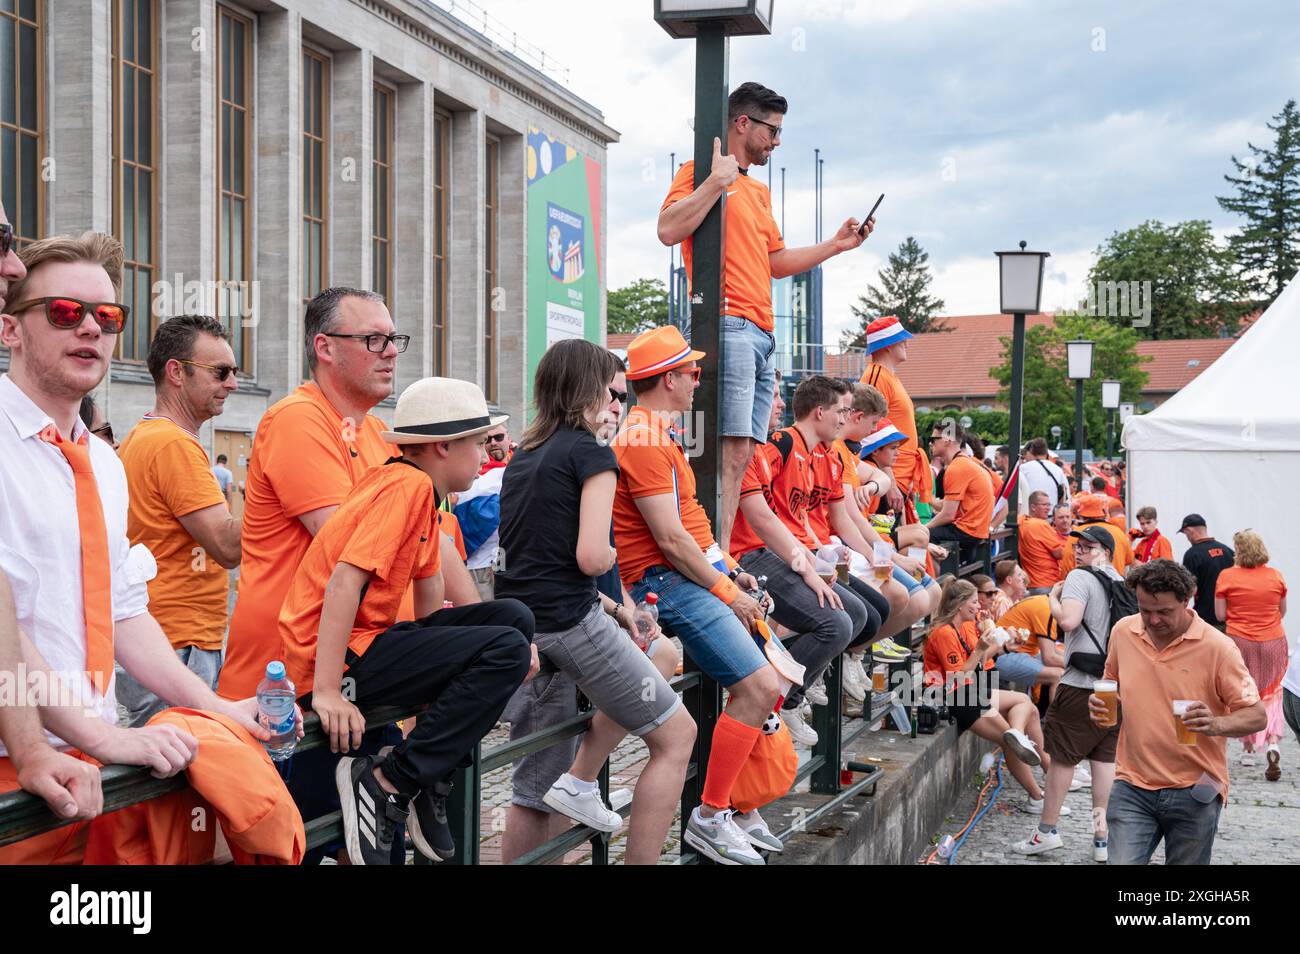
1258, 825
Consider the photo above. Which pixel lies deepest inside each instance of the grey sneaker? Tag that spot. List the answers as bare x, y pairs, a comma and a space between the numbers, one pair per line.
756, 830
720, 839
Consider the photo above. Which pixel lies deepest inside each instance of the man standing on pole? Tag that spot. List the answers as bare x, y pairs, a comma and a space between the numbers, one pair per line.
754, 254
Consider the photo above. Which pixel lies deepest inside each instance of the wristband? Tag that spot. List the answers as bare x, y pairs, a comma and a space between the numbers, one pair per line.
724, 589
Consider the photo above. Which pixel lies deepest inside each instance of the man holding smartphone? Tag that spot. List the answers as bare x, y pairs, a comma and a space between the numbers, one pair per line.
754, 254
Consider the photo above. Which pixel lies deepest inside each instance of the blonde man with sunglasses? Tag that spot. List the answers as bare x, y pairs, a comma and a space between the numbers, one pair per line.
177, 508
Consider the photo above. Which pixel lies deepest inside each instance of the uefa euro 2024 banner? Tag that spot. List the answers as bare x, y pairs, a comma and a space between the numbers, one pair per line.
564, 266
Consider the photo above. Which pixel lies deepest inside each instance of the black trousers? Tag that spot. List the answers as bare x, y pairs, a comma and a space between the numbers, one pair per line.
877, 611
464, 663
949, 534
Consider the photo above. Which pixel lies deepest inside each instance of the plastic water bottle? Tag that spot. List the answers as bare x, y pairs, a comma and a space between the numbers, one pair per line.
646, 617
945, 846
275, 710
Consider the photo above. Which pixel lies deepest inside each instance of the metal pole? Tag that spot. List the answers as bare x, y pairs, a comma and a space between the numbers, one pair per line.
1110, 431
783, 201
1014, 436
1078, 433
672, 249
711, 48
817, 187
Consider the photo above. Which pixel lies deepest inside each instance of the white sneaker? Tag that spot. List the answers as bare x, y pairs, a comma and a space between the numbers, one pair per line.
800, 731
1037, 843
1100, 854
805, 709
1248, 759
720, 839
585, 807
1034, 806
1021, 746
756, 830
816, 693
1082, 777
855, 686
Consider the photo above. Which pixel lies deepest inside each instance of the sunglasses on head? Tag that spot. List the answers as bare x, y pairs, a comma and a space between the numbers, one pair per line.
69, 312
6, 239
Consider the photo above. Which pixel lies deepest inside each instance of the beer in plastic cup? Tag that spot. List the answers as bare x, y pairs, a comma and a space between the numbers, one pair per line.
918, 554
842, 572
1107, 690
884, 571
1185, 735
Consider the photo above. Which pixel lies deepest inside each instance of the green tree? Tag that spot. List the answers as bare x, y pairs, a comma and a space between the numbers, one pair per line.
637, 307
904, 291
1268, 197
1048, 391
1194, 291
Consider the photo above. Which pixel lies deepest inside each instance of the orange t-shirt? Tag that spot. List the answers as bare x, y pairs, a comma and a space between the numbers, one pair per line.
168, 476
752, 235
1037, 540
966, 481
1202, 664
757, 479
304, 458
1033, 613
793, 483
388, 526
450, 525
1161, 549
946, 652
650, 463
828, 488
1122, 559
1252, 594
902, 413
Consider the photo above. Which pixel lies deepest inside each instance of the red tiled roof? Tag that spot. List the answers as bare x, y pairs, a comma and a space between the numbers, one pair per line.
619, 342
1171, 368
956, 363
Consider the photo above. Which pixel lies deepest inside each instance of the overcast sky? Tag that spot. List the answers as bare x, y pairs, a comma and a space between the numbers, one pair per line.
983, 121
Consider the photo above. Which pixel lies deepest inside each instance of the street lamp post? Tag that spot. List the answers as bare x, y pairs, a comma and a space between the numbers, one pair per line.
1056, 435
1078, 357
1110, 401
710, 23
1021, 283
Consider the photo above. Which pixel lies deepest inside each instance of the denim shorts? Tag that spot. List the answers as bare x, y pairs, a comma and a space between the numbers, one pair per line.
1020, 670
545, 700
910, 582
748, 383
708, 629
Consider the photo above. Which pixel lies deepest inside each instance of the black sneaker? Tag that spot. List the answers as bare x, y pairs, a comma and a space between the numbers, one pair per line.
428, 823
370, 814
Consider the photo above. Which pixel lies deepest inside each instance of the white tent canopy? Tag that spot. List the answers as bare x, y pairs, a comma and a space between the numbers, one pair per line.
1227, 446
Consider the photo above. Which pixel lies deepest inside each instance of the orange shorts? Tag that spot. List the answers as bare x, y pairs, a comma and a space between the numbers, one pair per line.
63, 846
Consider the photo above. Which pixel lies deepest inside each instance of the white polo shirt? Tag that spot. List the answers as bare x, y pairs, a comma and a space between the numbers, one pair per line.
40, 543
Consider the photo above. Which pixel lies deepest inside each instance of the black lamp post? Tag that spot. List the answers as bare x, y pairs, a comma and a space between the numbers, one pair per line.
1021, 282
1078, 357
710, 24
1110, 401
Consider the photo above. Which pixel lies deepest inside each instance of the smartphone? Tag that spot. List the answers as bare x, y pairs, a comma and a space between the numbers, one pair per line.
862, 228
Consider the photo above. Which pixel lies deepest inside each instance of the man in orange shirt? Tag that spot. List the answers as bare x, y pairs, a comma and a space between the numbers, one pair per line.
1092, 512
754, 254
1166, 655
1151, 544
887, 345
1040, 545
339, 617
665, 546
967, 492
177, 508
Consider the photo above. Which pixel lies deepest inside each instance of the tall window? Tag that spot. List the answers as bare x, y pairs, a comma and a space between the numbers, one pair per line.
381, 250
315, 197
135, 116
490, 200
22, 85
441, 215
234, 181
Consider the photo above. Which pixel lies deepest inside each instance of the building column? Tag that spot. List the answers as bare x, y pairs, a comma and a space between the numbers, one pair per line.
465, 254
78, 166
512, 318
351, 109
413, 230
277, 174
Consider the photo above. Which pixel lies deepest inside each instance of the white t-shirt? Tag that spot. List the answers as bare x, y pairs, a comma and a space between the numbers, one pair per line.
1042, 475
1291, 681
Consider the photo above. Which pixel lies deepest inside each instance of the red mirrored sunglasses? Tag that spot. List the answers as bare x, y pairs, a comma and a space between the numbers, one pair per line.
70, 312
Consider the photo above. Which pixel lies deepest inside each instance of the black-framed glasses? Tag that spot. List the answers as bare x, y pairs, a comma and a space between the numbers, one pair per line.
222, 371
6, 239
988, 592
776, 130
104, 431
496, 438
397, 341
619, 396
67, 313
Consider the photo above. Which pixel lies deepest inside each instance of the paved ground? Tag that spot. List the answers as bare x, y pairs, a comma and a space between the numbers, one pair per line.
1257, 826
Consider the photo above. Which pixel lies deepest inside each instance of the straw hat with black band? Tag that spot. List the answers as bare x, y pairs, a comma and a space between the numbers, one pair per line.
441, 409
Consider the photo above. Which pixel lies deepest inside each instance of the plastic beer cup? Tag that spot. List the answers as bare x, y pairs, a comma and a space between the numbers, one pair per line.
1107, 690
1185, 735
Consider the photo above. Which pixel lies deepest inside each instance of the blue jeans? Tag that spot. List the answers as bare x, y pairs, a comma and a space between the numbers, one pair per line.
1019, 670
1138, 819
911, 583
748, 370
707, 627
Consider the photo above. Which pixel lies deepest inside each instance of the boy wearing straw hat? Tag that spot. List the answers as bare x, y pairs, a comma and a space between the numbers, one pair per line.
341, 646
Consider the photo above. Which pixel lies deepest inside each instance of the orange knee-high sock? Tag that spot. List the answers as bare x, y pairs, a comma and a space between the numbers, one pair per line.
732, 743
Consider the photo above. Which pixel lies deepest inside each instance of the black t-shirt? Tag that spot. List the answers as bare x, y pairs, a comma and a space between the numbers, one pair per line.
541, 498
1207, 560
